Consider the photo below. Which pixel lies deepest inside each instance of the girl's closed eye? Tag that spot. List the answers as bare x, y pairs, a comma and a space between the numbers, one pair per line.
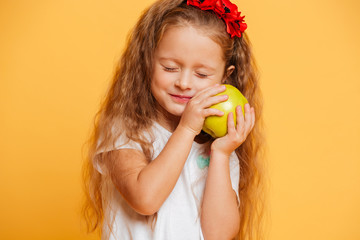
170, 69
202, 75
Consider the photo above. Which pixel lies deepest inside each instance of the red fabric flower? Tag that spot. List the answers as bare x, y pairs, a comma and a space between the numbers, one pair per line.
225, 10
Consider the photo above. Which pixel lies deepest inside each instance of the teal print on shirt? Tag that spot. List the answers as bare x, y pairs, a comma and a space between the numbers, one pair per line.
203, 162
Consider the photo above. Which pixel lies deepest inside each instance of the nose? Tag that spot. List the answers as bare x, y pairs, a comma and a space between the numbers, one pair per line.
184, 81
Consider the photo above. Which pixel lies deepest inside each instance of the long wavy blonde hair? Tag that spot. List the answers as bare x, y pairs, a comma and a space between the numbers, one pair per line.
130, 100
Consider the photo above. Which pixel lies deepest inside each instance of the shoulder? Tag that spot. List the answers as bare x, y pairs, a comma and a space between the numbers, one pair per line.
119, 138
156, 137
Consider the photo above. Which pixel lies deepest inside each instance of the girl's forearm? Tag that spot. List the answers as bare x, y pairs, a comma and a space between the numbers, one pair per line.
220, 217
158, 178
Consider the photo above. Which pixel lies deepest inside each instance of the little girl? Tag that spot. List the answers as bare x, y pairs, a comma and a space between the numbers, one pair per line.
152, 173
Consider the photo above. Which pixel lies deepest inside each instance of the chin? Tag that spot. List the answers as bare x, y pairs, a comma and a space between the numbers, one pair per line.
171, 111
177, 113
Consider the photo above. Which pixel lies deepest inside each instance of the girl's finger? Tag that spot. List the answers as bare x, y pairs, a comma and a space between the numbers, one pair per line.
212, 112
253, 117
209, 92
248, 117
240, 122
230, 123
208, 102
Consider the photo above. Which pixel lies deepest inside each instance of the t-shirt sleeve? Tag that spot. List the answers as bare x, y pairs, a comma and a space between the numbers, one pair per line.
235, 174
122, 142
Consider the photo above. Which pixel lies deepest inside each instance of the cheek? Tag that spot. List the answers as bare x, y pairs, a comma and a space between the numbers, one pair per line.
161, 79
156, 81
216, 79
160, 84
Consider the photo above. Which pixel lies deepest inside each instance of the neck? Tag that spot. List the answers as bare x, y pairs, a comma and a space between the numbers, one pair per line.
167, 120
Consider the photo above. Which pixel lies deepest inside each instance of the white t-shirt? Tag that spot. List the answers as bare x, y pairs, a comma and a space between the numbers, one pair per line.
179, 216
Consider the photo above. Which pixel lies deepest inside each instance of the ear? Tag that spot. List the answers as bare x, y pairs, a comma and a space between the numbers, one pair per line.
229, 71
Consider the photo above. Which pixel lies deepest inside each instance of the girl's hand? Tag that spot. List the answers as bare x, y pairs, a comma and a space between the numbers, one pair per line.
197, 109
235, 136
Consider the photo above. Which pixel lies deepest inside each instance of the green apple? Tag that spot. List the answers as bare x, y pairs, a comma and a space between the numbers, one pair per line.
217, 126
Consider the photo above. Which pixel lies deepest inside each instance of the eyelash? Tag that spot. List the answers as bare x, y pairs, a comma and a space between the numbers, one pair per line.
169, 69
201, 75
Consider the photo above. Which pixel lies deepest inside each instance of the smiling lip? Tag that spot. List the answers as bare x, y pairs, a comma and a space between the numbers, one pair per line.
180, 98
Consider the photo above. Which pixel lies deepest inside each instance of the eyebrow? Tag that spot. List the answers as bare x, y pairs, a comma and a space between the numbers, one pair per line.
200, 65
169, 59
205, 66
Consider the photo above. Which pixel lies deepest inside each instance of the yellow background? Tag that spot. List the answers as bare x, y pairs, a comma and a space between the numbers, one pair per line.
57, 58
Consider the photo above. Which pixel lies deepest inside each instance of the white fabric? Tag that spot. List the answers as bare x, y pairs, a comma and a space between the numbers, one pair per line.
178, 217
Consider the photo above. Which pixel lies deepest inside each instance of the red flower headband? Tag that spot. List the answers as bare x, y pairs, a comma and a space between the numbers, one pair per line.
227, 11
